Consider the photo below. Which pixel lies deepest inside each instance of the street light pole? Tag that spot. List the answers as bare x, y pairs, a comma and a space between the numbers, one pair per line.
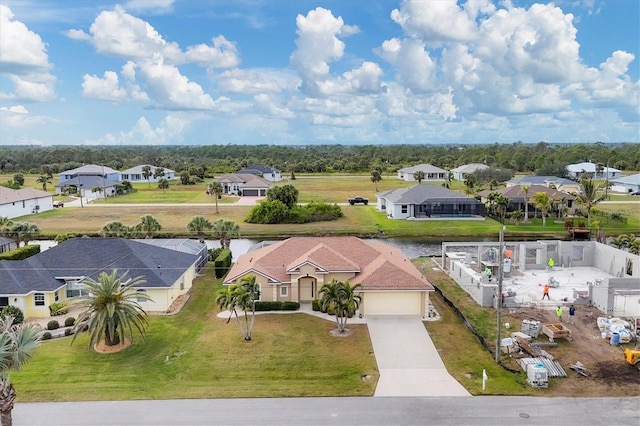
80, 190
499, 295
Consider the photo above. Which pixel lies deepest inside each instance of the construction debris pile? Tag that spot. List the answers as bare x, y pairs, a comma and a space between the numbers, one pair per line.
616, 330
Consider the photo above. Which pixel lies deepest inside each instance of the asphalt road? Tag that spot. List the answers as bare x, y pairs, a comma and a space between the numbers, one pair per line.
458, 411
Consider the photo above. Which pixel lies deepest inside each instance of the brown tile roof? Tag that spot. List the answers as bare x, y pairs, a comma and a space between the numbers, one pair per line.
376, 266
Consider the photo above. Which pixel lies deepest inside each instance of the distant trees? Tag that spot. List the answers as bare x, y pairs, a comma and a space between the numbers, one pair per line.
18, 178
376, 177
543, 203
287, 194
486, 176
588, 197
199, 225
21, 231
148, 225
158, 173
163, 184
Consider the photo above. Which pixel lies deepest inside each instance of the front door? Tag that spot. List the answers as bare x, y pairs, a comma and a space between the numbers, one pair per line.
307, 289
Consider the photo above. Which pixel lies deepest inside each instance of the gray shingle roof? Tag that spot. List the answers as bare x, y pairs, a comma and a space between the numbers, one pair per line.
78, 257
541, 180
421, 194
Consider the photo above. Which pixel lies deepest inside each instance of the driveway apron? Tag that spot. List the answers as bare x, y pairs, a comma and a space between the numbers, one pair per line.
408, 362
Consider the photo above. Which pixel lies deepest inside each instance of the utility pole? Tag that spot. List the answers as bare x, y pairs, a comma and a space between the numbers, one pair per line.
499, 295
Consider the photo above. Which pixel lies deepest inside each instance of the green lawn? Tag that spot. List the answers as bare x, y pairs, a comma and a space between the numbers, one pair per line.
197, 355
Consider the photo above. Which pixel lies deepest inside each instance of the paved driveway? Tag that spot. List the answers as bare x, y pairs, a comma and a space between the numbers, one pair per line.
408, 362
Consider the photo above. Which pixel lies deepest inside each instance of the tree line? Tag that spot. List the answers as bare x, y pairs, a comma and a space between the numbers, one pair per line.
208, 160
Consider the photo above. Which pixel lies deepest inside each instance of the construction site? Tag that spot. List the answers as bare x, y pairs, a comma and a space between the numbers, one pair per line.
569, 308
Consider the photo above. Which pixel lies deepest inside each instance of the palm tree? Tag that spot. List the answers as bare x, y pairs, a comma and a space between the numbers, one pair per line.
419, 176
525, 190
215, 188
149, 225
17, 341
621, 241
542, 201
340, 297
115, 229
147, 173
448, 179
111, 308
588, 197
44, 180
241, 296
225, 230
158, 172
163, 184
22, 232
198, 225
5, 222
470, 183
376, 177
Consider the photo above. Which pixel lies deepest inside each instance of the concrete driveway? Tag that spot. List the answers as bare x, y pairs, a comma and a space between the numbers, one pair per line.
408, 362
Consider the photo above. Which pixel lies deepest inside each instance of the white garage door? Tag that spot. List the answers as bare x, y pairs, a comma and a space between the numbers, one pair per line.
392, 303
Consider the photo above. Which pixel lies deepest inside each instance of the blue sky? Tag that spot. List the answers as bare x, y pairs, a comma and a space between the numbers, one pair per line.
178, 72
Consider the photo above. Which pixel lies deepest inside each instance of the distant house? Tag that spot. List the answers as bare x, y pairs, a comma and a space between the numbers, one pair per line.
244, 184
90, 181
561, 184
21, 202
7, 244
590, 170
431, 173
135, 174
516, 196
626, 184
54, 275
296, 269
459, 173
428, 201
269, 173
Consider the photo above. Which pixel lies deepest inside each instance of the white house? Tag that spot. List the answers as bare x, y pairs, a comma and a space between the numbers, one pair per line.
428, 202
588, 169
269, 173
20, 202
459, 173
431, 173
89, 170
136, 174
626, 184
244, 184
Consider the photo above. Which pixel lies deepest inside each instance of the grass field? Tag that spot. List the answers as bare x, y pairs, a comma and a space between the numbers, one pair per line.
195, 354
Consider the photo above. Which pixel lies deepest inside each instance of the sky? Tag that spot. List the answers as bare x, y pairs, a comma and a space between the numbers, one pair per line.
301, 72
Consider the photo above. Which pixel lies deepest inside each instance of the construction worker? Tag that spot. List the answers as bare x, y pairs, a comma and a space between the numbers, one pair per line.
550, 264
545, 292
487, 271
559, 313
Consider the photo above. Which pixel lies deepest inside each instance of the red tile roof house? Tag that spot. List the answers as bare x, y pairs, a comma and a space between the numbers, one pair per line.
295, 270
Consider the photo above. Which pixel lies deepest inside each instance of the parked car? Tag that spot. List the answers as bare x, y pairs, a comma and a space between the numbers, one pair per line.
635, 193
358, 200
57, 204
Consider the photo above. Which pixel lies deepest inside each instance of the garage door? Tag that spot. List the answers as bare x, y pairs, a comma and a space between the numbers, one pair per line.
392, 303
250, 192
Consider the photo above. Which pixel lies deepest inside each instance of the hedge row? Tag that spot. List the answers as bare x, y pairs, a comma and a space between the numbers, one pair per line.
277, 306
222, 263
20, 253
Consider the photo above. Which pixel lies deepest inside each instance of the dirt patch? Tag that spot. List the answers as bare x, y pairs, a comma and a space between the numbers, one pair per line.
336, 333
608, 372
102, 347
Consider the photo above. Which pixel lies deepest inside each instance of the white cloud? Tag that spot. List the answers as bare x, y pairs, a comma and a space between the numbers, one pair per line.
415, 68
255, 81
18, 116
23, 58
156, 7
168, 132
78, 35
106, 88
222, 54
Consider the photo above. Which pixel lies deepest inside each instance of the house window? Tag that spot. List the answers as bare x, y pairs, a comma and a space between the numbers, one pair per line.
74, 289
182, 284
577, 253
404, 208
55, 296
141, 298
39, 299
284, 291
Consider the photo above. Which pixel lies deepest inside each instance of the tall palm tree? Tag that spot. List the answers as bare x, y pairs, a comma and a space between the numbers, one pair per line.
241, 296
17, 342
588, 197
525, 190
621, 241
470, 182
22, 232
419, 176
115, 229
376, 177
225, 230
199, 225
542, 202
111, 308
44, 180
341, 298
215, 189
147, 173
5, 222
163, 184
149, 225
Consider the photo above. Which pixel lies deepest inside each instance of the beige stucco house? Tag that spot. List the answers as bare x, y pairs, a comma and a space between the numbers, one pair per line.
295, 270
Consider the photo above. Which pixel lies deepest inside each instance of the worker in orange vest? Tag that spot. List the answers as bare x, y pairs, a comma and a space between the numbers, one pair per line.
545, 292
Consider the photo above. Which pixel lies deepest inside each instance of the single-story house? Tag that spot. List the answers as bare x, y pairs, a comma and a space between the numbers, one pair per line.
244, 184
90, 170
626, 184
561, 184
428, 201
516, 196
590, 170
54, 275
459, 173
269, 173
89, 186
7, 244
21, 202
295, 270
430, 173
135, 174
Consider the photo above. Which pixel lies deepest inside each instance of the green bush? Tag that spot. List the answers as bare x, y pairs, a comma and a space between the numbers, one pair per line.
214, 253
290, 306
222, 263
46, 336
262, 306
58, 308
69, 322
18, 315
20, 253
53, 325
315, 305
68, 332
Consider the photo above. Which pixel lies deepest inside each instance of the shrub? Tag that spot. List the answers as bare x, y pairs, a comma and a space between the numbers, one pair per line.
315, 305
53, 325
69, 322
214, 253
18, 315
290, 306
20, 253
58, 308
46, 336
268, 306
68, 332
222, 263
